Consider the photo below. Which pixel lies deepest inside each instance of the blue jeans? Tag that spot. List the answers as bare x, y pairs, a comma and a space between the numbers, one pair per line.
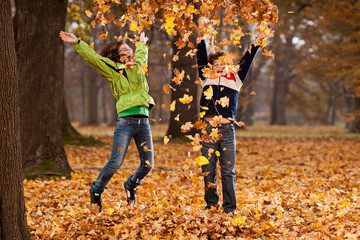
226, 147
127, 128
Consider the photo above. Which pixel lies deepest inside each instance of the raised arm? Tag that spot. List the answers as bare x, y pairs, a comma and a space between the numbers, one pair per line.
141, 52
202, 59
104, 66
248, 58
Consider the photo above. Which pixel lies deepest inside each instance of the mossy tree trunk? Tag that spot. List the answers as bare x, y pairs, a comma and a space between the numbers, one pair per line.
40, 54
12, 205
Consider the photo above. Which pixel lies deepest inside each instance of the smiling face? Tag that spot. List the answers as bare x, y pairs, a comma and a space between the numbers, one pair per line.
126, 53
219, 67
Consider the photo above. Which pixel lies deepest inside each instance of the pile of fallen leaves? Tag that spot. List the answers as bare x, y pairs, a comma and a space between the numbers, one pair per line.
287, 188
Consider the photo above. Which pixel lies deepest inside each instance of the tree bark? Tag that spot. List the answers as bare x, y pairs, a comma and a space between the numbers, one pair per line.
282, 79
187, 112
13, 223
40, 54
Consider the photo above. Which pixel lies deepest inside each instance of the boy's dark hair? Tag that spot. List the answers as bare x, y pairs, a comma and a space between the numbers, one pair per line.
111, 50
215, 56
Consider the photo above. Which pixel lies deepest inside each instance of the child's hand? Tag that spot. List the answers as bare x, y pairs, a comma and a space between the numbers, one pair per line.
143, 38
68, 37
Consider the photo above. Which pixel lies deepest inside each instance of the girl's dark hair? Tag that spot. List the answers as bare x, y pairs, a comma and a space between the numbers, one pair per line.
111, 50
215, 56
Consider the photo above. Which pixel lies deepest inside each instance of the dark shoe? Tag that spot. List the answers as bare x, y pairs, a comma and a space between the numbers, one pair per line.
233, 212
130, 194
95, 198
208, 207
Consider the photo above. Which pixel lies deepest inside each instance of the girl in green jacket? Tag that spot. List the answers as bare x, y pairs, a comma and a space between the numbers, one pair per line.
123, 69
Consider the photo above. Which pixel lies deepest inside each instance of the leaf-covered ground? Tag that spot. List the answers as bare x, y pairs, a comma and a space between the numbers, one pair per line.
287, 188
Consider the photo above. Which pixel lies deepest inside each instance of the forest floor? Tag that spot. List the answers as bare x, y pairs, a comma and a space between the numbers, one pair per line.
292, 183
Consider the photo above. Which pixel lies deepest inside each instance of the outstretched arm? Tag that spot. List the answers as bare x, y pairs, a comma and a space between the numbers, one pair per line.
201, 56
100, 63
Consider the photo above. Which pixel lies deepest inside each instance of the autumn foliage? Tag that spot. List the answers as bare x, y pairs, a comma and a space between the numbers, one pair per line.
289, 188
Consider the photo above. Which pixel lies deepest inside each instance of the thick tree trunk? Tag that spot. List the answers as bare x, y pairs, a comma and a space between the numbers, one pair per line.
187, 112
40, 54
12, 205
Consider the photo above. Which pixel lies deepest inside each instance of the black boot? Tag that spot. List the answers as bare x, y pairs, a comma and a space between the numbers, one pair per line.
95, 198
130, 194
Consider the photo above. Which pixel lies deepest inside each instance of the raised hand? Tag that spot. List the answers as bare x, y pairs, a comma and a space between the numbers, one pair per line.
143, 37
68, 37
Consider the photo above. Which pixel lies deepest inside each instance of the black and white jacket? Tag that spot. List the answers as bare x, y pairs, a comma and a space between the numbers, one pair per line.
228, 86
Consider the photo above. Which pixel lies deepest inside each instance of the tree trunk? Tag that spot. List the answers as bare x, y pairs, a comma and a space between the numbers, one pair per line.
355, 128
282, 79
12, 205
40, 54
187, 112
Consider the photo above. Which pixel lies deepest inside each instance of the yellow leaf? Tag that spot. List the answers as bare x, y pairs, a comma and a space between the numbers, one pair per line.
186, 99
166, 140
217, 153
88, 13
110, 211
202, 114
224, 101
208, 93
204, 108
92, 44
172, 106
144, 67
202, 160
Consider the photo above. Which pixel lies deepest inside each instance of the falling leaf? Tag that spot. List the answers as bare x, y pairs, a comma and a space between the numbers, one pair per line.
103, 35
88, 13
201, 160
110, 211
147, 149
208, 93
166, 89
217, 153
252, 93
119, 149
268, 53
186, 99
92, 44
186, 127
177, 117
224, 101
172, 106
166, 140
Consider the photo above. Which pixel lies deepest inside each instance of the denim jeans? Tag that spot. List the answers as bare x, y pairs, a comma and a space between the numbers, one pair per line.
226, 147
127, 128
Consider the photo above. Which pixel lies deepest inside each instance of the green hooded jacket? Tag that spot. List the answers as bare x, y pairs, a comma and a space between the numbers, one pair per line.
129, 92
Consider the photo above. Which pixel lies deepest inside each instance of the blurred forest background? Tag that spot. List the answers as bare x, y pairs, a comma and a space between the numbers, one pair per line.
311, 81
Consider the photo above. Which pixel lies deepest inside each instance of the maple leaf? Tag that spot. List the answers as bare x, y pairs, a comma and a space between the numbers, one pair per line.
268, 53
224, 101
215, 121
103, 36
178, 76
215, 135
186, 99
180, 44
199, 124
208, 93
166, 89
186, 127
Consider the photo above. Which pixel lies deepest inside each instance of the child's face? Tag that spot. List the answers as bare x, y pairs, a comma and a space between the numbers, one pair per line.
126, 53
219, 67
